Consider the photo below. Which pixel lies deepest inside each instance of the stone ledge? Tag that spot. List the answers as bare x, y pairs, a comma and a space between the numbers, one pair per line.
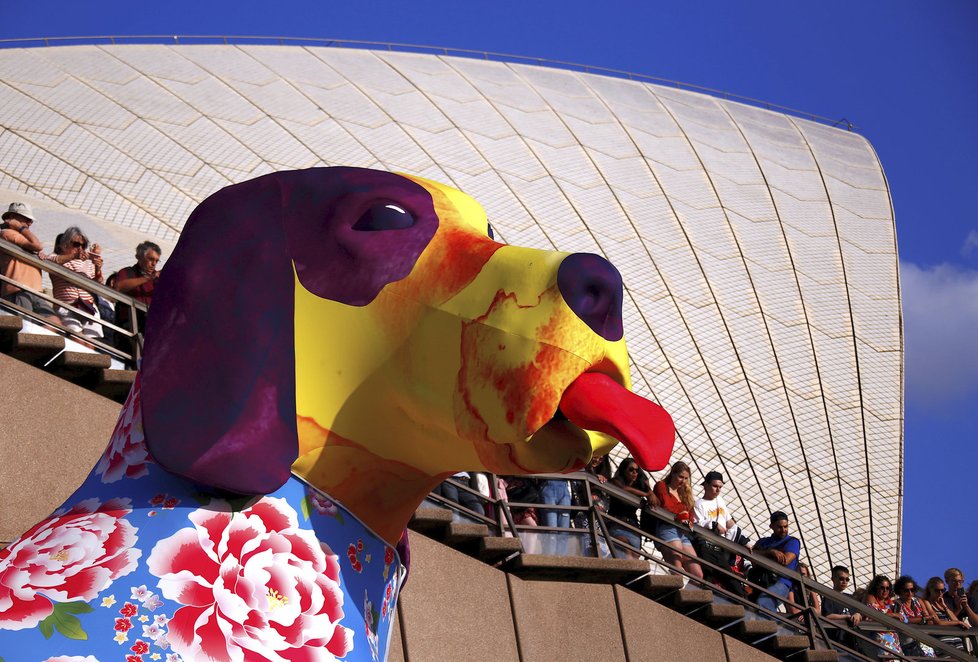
576, 568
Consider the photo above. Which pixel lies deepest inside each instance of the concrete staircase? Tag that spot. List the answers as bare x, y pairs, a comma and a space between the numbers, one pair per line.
701, 610
90, 371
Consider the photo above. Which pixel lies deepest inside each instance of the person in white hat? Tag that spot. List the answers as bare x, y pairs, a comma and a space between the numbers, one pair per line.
16, 228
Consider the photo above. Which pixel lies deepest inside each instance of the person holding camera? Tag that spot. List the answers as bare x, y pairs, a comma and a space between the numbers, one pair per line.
956, 599
71, 251
139, 282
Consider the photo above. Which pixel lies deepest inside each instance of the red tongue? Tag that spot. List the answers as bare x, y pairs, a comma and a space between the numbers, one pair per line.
597, 402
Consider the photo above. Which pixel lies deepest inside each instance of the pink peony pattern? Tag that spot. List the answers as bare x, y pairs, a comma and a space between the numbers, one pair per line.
253, 585
71, 556
126, 456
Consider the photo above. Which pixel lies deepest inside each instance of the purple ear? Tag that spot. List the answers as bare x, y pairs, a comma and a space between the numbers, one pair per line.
218, 371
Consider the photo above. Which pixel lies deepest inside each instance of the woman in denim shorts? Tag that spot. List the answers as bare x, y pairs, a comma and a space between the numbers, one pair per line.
676, 496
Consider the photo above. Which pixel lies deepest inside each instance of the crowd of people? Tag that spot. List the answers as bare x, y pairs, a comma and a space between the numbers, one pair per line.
631, 520
942, 603
79, 309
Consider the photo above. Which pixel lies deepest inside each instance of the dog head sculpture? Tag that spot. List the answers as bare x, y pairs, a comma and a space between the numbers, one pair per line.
361, 329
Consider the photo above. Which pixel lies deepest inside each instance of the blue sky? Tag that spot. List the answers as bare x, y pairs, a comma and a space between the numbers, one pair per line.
905, 73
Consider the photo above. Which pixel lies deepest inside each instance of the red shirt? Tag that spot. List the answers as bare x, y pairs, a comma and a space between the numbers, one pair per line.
142, 293
669, 502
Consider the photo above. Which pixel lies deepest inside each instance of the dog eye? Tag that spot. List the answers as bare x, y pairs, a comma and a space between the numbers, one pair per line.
384, 217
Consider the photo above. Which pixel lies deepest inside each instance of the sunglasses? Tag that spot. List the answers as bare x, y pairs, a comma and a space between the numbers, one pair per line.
885, 587
78, 244
906, 589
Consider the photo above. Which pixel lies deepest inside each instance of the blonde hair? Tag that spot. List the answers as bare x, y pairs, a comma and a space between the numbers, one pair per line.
686, 490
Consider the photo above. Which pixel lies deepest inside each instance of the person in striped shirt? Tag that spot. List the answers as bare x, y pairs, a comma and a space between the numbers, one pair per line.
72, 251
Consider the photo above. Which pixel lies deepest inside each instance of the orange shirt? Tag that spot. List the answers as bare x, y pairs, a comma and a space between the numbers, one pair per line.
21, 272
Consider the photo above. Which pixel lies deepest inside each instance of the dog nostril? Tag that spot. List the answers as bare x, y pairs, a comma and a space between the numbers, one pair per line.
592, 288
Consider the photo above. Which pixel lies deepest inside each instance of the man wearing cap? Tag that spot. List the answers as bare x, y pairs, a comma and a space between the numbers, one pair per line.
782, 549
16, 228
710, 511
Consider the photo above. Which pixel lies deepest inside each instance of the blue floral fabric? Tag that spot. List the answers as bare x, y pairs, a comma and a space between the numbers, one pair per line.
140, 565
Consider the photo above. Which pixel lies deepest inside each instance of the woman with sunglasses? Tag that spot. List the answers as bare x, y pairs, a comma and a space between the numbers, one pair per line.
630, 478
944, 617
72, 252
915, 611
879, 596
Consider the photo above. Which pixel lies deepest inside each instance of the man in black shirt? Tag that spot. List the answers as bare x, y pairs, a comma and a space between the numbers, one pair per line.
840, 614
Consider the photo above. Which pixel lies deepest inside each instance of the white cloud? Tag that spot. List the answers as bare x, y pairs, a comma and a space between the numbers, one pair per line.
970, 243
940, 306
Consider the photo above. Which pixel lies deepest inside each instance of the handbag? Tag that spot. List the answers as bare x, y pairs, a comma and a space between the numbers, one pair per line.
647, 520
523, 490
762, 576
710, 551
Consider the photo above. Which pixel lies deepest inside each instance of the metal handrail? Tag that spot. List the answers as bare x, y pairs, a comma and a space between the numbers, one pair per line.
419, 48
85, 283
813, 624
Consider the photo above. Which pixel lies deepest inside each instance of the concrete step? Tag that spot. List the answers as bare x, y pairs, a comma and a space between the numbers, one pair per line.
494, 549
576, 568
114, 384
82, 368
750, 631
430, 521
460, 533
34, 348
783, 646
818, 656
10, 326
689, 600
718, 615
656, 587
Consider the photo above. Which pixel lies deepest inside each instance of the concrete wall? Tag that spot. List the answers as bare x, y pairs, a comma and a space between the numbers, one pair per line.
51, 435
456, 607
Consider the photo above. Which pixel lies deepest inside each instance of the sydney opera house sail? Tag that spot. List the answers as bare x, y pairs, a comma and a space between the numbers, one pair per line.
758, 250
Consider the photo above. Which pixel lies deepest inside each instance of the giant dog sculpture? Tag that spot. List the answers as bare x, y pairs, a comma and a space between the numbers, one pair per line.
325, 347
